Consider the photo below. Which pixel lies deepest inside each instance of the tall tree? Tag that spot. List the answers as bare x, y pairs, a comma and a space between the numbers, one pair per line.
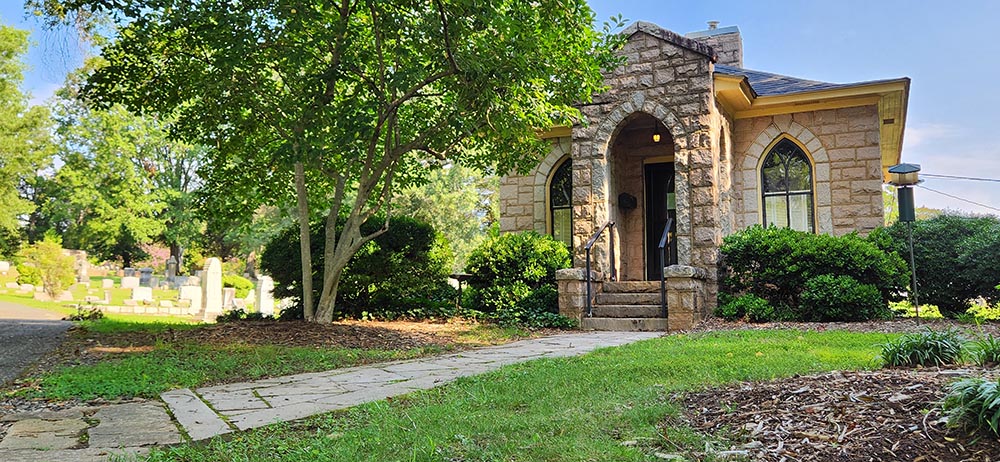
336, 103
25, 147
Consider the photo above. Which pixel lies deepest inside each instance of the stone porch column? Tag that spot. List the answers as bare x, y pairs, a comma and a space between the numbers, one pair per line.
685, 296
572, 283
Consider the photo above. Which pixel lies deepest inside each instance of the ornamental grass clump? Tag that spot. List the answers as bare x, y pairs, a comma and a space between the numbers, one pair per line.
986, 351
973, 404
926, 348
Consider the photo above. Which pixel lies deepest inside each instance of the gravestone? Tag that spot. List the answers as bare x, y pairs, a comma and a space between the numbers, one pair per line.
211, 288
178, 281
265, 297
4, 267
143, 294
107, 297
130, 282
107, 283
228, 295
28, 287
154, 282
145, 276
192, 281
65, 296
13, 285
171, 268
128, 272
193, 295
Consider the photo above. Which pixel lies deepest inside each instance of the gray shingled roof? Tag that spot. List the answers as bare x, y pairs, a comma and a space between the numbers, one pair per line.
768, 84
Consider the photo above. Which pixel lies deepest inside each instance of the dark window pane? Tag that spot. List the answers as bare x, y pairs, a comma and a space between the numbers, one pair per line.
561, 203
786, 183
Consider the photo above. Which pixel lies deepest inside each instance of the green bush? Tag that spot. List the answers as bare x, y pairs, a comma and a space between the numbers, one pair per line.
239, 314
56, 271
513, 279
401, 273
986, 351
242, 285
776, 263
955, 257
746, 306
27, 274
841, 298
973, 403
925, 348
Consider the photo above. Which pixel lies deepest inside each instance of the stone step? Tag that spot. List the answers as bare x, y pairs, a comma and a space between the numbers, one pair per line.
631, 287
624, 324
619, 298
627, 311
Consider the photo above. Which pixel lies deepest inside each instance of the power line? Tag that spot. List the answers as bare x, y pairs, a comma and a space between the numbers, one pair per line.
954, 177
958, 198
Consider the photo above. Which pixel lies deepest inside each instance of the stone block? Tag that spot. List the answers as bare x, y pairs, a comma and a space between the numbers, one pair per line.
265, 296
129, 282
142, 294
211, 288
107, 283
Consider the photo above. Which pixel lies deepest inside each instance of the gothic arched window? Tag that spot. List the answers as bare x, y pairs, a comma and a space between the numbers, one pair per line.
787, 187
561, 203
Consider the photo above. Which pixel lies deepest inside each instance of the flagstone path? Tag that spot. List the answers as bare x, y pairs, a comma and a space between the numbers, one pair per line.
92, 434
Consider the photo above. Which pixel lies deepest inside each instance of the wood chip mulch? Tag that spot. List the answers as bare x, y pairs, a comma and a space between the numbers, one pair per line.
890, 414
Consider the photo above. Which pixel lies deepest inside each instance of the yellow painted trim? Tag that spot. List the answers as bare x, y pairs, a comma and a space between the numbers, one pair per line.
760, 177
556, 132
762, 107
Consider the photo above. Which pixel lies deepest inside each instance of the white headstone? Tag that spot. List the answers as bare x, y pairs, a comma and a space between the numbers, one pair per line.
193, 295
142, 294
265, 297
107, 283
228, 295
130, 282
28, 287
13, 285
4, 266
211, 288
65, 296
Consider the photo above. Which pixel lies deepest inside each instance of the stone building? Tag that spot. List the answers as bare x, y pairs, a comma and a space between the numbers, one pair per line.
686, 133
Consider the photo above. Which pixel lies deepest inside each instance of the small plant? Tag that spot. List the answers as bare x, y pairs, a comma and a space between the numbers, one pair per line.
926, 348
749, 306
88, 313
986, 351
973, 404
240, 315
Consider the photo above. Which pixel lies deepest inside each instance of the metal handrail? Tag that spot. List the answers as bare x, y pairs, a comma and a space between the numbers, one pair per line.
664, 241
614, 273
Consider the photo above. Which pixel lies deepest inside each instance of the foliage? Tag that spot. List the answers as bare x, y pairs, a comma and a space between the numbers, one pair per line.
600, 399
348, 102
56, 270
973, 403
748, 306
85, 314
240, 314
24, 135
986, 351
242, 285
925, 348
842, 298
904, 308
513, 278
28, 274
400, 273
955, 257
776, 264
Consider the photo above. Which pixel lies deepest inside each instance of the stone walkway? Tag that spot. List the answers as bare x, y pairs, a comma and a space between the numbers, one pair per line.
92, 434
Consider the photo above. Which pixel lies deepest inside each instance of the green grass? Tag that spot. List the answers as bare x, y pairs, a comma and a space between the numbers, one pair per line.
571, 409
167, 367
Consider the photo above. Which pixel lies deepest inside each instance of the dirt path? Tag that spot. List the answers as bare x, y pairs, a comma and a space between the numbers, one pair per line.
25, 335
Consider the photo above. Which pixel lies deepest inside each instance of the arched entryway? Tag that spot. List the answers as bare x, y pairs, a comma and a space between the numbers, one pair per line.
642, 198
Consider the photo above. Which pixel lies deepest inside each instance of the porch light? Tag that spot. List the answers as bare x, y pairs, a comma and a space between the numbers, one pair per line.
656, 134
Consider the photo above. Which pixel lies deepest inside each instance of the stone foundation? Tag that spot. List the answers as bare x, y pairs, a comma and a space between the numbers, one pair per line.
572, 284
686, 304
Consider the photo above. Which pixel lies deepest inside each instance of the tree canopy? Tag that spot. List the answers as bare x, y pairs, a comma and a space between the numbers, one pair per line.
336, 103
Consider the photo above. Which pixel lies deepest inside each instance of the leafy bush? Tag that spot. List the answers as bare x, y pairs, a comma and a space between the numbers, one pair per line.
27, 274
973, 403
746, 306
239, 314
955, 258
925, 348
55, 270
776, 263
986, 351
242, 285
85, 314
842, 298
402, 272
513, 279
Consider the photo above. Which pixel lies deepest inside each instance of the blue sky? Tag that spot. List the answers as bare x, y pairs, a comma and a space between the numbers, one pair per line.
949, 49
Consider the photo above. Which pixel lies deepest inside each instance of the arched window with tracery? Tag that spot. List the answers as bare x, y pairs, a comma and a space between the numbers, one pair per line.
787, 187
561, 203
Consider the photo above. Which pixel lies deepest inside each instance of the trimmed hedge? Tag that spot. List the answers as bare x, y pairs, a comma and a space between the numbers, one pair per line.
779, 264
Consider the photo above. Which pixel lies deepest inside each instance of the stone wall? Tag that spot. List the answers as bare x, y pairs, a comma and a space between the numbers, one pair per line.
524, 198
847, 165
728, 47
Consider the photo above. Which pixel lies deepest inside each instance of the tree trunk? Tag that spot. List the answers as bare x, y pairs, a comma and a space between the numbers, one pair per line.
178, 253
304, 244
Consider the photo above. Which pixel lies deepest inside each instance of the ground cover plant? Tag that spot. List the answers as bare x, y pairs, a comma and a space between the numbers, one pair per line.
973, 403
569, 409
924, 348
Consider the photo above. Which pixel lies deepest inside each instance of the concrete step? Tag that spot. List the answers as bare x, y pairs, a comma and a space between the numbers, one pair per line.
627, 311
624, 324
618, 298
631, 287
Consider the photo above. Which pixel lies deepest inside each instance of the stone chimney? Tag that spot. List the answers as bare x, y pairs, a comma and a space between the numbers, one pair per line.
726, 42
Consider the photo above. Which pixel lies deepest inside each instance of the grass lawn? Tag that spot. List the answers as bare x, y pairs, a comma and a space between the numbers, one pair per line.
571, 409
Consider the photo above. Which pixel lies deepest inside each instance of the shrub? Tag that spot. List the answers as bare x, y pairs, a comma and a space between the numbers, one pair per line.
925, 348
239, 314
746, 306
973, 403
986, 351
513, 279
841, 298
399, 273
27, 274
955, 258
55, 270
776, 263
242, 285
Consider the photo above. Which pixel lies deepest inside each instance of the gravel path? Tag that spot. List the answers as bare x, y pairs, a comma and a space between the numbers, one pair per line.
25, 335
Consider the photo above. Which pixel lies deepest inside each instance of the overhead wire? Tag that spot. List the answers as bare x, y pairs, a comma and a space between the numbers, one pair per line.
955, 177
958, 198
